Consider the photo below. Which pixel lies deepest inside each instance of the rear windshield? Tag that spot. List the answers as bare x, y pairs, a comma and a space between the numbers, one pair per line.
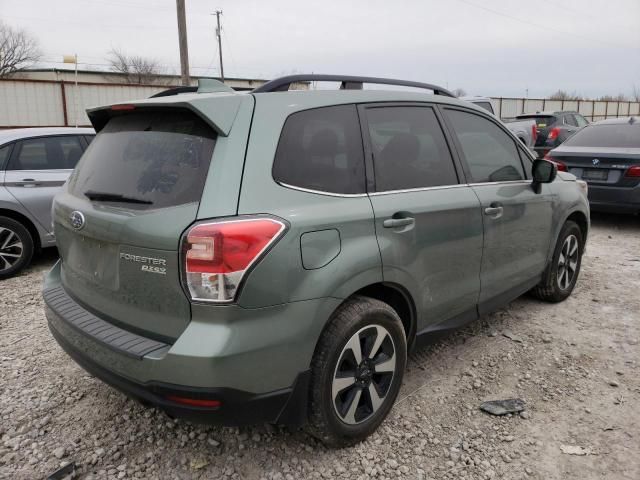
541, 121
486, 105
157, 158
607, 136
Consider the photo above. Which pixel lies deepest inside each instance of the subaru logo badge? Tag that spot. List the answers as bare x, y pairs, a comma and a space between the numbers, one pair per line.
595, 161
77, 220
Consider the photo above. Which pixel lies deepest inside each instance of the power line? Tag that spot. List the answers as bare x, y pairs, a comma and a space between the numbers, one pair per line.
546, 27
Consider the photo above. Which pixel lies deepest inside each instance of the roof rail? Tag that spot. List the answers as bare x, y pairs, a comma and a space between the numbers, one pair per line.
347, 82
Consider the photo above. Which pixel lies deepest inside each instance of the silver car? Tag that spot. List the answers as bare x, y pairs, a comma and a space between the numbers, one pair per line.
34, 164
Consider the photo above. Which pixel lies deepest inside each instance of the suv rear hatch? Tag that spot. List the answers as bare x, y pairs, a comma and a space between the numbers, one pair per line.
119, 220
544, 123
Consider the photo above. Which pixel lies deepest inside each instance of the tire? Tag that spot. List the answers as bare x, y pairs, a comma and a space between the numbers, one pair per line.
560, 278
15, 239
332, 418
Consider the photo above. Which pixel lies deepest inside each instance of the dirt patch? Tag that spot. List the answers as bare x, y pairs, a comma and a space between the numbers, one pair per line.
576, 364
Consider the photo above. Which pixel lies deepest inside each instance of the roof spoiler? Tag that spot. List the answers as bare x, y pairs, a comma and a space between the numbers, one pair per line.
347, 82
205, 85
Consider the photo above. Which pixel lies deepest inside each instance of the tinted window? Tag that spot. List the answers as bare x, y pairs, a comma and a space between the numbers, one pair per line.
409, 149
4, 155
486, 105
491, 155
47, 153
581, 120
613, 135
89, 138
321, 149
160, 157
570, 120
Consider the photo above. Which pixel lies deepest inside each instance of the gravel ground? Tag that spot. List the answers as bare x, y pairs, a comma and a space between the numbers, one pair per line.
576, 364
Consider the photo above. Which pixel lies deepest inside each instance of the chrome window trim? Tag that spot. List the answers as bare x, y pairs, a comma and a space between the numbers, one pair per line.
421, 189
321, 192
408, 190
504, 182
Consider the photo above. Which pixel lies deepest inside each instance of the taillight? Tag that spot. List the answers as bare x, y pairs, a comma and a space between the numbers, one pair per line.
553, 133
534, 134
633, 172
562, 167
217, 255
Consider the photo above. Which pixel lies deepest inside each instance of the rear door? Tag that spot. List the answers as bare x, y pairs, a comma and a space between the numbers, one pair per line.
120, 218
517, 221
428, 222
571, 126
38, 167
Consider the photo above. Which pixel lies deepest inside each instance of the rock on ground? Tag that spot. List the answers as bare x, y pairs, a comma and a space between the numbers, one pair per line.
564, 366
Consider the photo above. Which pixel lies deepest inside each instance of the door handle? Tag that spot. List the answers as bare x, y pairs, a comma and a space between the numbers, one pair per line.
27, 182
398, 222
493, 211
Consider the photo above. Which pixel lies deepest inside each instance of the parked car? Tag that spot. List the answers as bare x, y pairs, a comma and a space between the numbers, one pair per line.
553, 128
34, 163
606, 155
525, 130
272, 257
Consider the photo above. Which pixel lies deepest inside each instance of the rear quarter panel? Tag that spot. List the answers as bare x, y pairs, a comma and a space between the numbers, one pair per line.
281, 276
570, 199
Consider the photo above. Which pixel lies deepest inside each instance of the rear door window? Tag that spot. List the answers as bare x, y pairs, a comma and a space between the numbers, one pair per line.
47, 153
321, 150
409, 149
570, 120
490, 154
159, 157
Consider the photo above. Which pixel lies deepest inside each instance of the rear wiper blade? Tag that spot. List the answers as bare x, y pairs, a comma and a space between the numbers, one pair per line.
114, 197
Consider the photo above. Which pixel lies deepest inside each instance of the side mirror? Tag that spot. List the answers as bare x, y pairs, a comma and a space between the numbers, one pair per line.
543, 171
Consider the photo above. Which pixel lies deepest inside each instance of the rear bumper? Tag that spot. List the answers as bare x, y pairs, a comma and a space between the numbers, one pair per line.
254, 361
614, 199
285, 406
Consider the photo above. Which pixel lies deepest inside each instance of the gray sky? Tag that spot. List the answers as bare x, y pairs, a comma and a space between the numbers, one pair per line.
487, 47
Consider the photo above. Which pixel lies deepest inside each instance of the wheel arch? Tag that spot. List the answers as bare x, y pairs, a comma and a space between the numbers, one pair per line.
581, 219
27, 222
398, 298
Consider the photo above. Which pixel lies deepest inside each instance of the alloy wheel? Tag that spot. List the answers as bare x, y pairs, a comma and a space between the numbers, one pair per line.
11, 249
363, 374
568, 262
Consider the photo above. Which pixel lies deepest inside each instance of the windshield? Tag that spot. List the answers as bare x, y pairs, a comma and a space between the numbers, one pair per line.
607, 136
158, 159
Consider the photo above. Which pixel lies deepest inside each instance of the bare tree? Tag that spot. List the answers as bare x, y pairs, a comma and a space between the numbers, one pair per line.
136, 69
621, 97
459, 92
18, 50
564, 95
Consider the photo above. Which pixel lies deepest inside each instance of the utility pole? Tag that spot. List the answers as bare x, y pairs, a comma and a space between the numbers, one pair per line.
182, 38
219, 35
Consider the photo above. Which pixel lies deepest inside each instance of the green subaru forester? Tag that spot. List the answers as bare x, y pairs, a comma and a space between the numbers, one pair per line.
273, 256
